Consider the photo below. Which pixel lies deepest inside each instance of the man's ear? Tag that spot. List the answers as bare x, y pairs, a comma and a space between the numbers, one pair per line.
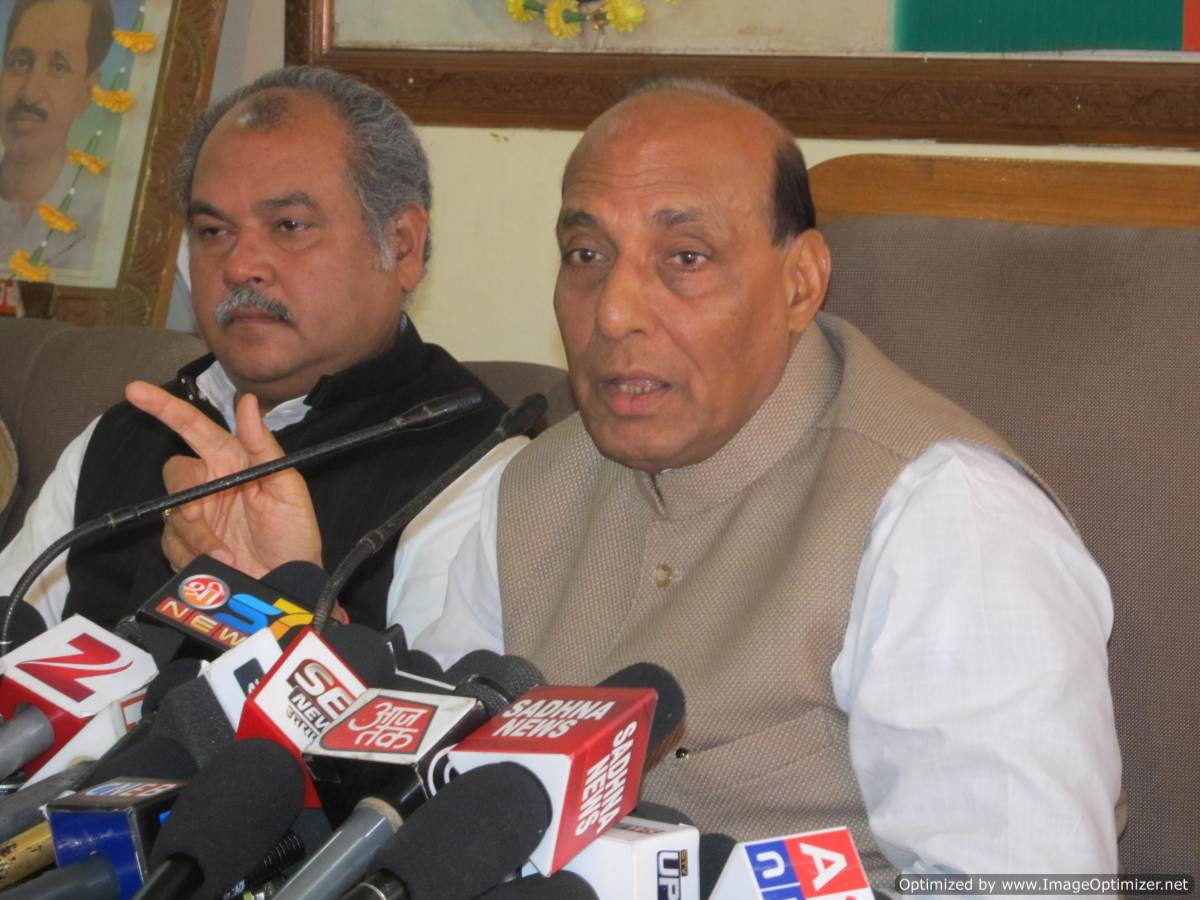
406, 243
808, 267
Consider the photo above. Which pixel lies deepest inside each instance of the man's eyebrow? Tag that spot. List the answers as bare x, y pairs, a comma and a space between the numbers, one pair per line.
673, 218
576, 218
200, 208
291, 198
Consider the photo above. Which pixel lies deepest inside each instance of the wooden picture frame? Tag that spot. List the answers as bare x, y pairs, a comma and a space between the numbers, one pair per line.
970, 100
147, 268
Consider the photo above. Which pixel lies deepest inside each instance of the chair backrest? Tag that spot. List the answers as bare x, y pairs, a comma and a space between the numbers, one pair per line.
1080, 344
55, 378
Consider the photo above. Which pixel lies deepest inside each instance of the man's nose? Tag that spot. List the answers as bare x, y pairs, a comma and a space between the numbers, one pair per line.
249, 261
625, 304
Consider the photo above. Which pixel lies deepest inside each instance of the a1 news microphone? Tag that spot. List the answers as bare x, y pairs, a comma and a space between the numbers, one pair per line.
587, 746
71, 691
434, 412
812, 865
371, 767
496, 813
223, 823
517, 420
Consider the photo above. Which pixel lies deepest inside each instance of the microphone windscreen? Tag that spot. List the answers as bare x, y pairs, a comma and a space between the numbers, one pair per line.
298, 580
153, 757
471, 664
170, 676
670, 708
714, 853
27, 623
232, 813
191, 716
363, 650
501, 809
500, 681
422, 664
562, 885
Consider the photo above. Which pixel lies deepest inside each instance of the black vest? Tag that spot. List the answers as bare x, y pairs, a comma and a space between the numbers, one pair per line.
352, 493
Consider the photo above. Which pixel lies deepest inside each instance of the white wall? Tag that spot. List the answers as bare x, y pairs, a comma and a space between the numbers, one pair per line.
487, 294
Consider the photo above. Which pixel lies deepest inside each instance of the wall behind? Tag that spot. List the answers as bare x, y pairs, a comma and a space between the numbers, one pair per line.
488, 291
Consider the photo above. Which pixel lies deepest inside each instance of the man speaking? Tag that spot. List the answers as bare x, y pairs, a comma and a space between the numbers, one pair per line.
879, 616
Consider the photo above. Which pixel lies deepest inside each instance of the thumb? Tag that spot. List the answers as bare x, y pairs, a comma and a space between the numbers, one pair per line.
256, 439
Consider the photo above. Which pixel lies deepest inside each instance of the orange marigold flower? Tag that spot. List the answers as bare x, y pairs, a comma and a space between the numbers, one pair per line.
560, 25
117, 101
134, 41
93, 164
56, 219
26, 269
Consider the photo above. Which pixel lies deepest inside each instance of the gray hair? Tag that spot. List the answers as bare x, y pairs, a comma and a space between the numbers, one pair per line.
386, 166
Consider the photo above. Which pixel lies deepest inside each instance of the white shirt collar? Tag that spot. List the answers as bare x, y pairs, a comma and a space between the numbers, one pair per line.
215, 387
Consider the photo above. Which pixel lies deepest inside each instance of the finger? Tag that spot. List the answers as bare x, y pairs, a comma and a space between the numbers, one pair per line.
183, 472
183, 540
257, 440
202, 434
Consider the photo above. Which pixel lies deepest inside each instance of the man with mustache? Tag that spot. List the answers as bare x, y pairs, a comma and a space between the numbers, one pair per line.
878, 614
307, 196
53, 50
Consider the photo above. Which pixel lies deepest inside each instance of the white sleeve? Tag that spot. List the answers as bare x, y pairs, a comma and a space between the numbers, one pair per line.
471, 619
419, 594
50, 517
975, 676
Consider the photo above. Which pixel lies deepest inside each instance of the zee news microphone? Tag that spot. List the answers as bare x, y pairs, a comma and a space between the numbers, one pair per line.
71, 691
434, 412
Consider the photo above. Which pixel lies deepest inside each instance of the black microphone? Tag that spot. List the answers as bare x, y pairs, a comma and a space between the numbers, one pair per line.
225, 821
504, 811
715, 849
562, 885
434, 412
516, 421
27, 622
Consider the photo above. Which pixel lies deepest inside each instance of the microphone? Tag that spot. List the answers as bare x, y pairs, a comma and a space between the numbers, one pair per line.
516, 421
94, 877
587, 746
225, 820
208, 607
75, 680
504, 811
812, 865
371, 767
26, 854
27, 622
641, 859
23, 810
434, 412
715, 849
562, 885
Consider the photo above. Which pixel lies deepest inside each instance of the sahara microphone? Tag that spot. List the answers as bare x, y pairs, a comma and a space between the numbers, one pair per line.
434, 412
517, 420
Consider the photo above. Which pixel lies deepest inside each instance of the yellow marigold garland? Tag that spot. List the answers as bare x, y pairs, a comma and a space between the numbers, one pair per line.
519, 12
26, 269
624, 15
91, 162
134, 41
56, 219
562, 25
117, 101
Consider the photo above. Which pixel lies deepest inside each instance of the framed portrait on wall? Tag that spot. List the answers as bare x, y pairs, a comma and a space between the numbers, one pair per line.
96, 98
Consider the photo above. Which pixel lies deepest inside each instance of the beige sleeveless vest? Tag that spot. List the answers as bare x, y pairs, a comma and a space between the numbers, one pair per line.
736, 574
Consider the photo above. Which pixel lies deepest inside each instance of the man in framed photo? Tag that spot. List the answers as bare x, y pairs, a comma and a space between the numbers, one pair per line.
53, 50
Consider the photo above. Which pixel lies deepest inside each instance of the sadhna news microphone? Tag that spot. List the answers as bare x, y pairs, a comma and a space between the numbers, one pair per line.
425, 415
583, 750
